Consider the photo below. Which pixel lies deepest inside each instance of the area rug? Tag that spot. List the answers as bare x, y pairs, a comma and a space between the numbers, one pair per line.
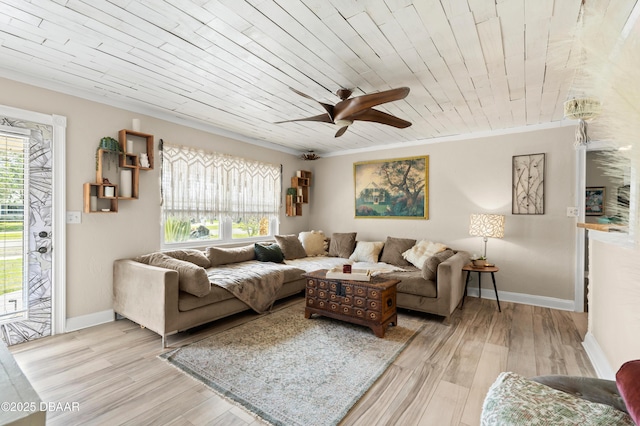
289, 370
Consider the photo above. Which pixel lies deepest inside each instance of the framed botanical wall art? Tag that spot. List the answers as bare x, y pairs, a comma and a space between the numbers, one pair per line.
397, 188
528, 184
594, 201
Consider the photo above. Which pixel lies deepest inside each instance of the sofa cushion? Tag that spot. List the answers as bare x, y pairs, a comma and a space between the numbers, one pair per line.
314, 243
187, 302
291, 246
342, 244
430, 268
367, 251
196, 257
628, 382
191, 278
412, 282
419, 253
268, 253
393, 249
223, 256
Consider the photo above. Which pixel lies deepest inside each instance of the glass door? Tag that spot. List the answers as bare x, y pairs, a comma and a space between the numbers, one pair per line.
25, 230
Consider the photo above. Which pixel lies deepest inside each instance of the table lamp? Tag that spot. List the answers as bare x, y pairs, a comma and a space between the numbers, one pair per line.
486, 225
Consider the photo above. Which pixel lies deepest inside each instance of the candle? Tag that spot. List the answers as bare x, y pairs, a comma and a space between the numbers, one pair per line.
125, 183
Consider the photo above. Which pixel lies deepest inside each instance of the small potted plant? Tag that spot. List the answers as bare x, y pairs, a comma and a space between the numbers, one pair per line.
112, 151
479, 261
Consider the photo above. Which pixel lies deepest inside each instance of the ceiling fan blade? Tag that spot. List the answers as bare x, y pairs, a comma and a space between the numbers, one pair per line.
345, 109
341, 131
322, 117
381, 117
327, 107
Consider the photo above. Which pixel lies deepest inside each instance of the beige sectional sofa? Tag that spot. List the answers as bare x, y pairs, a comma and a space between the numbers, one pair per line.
171, 291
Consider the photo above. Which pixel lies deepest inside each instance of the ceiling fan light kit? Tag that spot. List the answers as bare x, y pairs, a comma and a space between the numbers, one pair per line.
344, 113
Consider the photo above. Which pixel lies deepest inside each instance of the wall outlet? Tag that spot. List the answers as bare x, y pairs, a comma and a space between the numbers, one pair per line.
74, 217
572, 212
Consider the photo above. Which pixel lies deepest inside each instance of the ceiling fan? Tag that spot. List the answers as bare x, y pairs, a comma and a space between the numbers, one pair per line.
348, 110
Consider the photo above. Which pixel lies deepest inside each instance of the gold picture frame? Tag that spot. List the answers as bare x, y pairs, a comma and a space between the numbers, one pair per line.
392, 189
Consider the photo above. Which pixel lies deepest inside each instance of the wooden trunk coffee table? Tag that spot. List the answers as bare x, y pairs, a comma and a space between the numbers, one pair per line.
369, 303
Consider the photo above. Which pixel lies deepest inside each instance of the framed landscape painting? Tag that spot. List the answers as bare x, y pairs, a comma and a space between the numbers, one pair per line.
397, 188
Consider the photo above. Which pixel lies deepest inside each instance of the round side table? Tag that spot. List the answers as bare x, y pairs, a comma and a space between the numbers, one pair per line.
480, 270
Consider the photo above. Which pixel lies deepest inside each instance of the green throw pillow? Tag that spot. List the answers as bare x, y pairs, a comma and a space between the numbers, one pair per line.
271, 253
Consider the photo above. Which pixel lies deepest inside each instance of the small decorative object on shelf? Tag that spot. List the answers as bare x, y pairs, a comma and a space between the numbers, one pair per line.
110, 149
125, 183
144, 160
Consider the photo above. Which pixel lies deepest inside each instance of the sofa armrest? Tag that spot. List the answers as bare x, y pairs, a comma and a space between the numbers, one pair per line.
450, 279
147, 295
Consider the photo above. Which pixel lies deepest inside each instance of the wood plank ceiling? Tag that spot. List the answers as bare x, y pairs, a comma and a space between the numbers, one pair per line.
471, 65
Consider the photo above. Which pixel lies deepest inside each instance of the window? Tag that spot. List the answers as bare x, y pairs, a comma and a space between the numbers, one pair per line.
210, 197
13, 238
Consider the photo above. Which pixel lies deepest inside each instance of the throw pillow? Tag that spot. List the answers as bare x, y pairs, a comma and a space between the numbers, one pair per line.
423, 250
291, 246
313, 243
393, 249
367, 251
430, 268
222, 256
342, 244
190, 255
268, 253
191, 278
628, 382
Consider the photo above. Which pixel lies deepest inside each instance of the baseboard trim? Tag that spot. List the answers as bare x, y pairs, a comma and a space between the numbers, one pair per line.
597, 357
89, 320
527, 299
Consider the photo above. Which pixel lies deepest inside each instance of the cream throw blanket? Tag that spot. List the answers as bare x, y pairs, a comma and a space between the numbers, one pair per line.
255, 286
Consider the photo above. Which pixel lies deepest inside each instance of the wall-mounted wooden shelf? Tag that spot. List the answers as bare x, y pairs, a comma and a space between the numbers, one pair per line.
110, 204
301, 183
142, 144
604, 227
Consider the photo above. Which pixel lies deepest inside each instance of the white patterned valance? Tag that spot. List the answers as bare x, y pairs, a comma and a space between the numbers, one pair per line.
200, 184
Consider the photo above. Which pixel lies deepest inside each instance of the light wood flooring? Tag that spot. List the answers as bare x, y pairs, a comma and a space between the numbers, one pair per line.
441, 378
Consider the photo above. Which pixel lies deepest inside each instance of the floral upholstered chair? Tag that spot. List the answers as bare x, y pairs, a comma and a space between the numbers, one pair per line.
564, 400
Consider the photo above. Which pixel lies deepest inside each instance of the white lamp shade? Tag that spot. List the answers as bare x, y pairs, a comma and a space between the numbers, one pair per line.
487, 225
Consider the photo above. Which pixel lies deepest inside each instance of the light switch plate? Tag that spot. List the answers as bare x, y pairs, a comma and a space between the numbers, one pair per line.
74, 217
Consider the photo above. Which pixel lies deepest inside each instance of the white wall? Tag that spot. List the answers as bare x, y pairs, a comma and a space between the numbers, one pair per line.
537, 255
614, 297
93, 245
